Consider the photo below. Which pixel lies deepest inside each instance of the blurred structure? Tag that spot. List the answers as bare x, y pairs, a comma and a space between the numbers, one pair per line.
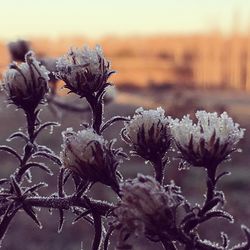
209, 60
18, 49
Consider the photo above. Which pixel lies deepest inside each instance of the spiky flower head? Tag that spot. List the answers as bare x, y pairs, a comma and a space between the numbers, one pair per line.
148, 133
27, 83
85, 71
88, 155
209, 141
147, 208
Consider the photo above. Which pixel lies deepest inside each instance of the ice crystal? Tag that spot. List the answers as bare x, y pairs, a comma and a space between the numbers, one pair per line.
148, 132
84, 71
213, 137
147, 207
89, 156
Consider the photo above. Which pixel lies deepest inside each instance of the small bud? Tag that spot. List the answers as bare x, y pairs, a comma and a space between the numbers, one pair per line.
88, 155
147, 207
148, 133
85, 71
209, 141
26, 83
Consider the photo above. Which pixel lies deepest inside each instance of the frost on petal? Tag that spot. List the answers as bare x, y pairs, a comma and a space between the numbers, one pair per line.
26, 83
84, 71
209, 141
148, 132
146, 207
88, 155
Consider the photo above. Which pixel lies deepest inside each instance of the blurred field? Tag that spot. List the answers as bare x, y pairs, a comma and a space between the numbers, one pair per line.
206, 60
177, 102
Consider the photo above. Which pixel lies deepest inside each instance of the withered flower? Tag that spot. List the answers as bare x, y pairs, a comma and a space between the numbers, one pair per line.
85, 71
147, 208
148, 133
209, 141
27, 83
89, 155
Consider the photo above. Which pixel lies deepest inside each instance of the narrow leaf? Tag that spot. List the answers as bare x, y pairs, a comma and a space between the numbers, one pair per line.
11, 151
49, 156
61, 220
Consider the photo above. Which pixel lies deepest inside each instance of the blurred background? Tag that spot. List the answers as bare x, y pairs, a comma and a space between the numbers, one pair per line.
181, 55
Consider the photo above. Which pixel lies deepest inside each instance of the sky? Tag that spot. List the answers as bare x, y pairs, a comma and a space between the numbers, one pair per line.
96, 18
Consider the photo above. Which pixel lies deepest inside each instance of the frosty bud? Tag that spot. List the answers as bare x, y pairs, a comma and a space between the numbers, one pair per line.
148, 133
147, 208
85, 71
26, 83
88, 155
209, 141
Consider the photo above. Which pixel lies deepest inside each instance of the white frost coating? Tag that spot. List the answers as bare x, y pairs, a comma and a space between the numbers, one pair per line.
18, 82
146, 119
143, 198
80, 61
208, 125
79, 146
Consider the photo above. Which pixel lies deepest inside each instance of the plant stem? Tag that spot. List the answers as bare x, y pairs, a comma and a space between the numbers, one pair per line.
211, 185
64, 203
97, 112
159, 169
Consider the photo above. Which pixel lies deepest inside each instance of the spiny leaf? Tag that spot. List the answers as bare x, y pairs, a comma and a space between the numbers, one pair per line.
11, 151
30, 212
45, 125
113, 120
49, 156
18, 135
39, 165
4, 180
16, 187
83, 214
35, 187
61, 220
220, 214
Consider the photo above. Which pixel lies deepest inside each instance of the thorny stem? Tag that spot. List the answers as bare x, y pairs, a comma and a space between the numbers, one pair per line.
64, 203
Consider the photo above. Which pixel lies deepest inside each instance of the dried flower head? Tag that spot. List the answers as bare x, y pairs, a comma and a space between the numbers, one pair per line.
209, 141
148, 133
88, 155
85, 71
26, 83
147, 208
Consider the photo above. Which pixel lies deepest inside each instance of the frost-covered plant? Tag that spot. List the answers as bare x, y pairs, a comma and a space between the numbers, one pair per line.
148, 132
209, 141
146, 205
27, 83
